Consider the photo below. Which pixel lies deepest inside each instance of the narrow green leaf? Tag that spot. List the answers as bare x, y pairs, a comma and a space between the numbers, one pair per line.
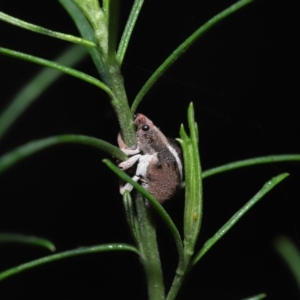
252, 162
268, 186
66, 254
56, 66
18, 154
87, 32
156, 205
45, 31
248, 163
256, 297
112, 10
131, 217
26, 239
193, 200
133, 16
291, 256
35, 87
193, 187
183, 134
181, 49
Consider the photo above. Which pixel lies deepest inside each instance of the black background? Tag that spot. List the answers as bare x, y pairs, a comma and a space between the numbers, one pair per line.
241, 77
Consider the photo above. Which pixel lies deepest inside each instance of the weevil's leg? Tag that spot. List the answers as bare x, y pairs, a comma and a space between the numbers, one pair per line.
129, 162
128, 151
128, 187
121, 142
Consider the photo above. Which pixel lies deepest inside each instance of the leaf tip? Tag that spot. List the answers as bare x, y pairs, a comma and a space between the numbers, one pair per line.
180, 141
52, 248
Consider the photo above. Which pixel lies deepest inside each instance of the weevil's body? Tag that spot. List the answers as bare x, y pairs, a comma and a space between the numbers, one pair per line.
159, 166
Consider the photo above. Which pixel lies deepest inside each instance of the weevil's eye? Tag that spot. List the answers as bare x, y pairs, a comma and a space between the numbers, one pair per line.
145, 127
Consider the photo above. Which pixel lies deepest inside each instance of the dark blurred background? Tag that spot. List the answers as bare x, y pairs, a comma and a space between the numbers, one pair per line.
241, 77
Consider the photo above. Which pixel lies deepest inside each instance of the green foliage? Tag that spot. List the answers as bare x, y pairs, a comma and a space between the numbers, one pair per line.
24, 239
98, 25
291, 256
66, 254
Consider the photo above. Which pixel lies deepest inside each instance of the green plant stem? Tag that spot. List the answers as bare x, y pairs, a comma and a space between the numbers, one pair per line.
120, 104
154, 203
149, 250
179, 278
149, 226
110, 68
113, 78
